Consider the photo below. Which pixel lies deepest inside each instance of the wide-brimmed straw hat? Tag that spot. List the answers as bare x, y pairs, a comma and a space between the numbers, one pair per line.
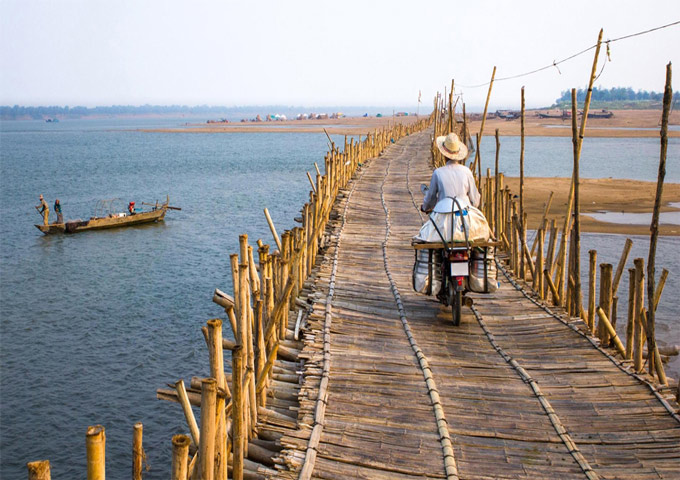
451, 147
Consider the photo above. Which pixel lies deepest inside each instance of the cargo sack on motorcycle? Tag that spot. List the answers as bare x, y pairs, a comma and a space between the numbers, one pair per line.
426, 272
483, 272
452, 226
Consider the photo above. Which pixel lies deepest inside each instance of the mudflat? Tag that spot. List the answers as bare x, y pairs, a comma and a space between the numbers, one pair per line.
624, 123
597, 195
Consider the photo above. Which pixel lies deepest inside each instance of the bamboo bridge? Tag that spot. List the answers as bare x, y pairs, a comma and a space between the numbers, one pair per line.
340, 370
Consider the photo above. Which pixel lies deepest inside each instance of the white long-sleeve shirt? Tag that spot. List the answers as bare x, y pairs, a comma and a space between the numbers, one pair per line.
451, 180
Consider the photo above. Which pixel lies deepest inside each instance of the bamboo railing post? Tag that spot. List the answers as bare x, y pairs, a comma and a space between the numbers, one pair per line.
95, 442
481, 128
180, 457
639, 305
206, 447
188, 412
539, 263
654, 227
592, 282
630, 325
497, 192
216, 354
237, 414
576, 262
272, 228
137, 451
39, 470
550, 258
605, 300
523, 227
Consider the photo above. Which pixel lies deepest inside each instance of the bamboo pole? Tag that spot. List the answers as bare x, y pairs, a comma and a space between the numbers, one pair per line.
630, 325
592, 282
546, 211
539, 264
188, 412
610, 330
497, 196
550, 258
654, 227
622, 265
137, 451
523, 227
551, 286
180, 457
206, 447
576, 262
605, 300
216, 357
639, 305
273, 229
95, 442
311, 182
481, 128
39, 470
237, 414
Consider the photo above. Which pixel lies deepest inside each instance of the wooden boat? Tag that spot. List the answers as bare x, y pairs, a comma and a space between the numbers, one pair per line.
106, 217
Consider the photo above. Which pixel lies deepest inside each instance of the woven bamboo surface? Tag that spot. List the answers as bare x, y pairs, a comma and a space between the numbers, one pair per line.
524, 394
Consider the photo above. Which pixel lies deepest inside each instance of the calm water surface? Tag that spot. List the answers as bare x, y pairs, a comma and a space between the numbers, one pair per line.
92, 324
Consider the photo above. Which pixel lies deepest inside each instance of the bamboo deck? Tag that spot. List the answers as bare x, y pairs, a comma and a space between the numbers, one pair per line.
515, 391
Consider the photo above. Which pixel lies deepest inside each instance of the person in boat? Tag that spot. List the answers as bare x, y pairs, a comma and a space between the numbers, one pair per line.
57, 210
131, 208
44, 210
453, 179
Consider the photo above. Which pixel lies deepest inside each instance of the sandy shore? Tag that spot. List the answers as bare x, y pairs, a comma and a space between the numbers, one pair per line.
624, 123
614, 195
337, 126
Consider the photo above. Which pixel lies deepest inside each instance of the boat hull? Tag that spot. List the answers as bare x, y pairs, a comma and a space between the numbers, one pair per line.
104, 222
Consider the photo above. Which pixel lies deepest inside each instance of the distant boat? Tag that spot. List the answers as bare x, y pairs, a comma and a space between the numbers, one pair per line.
52, 120
108, 216
601, 114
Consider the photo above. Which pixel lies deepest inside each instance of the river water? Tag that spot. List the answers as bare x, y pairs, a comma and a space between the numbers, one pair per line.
91, 324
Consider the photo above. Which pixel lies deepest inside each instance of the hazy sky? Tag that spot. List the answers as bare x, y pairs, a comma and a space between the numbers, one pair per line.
316, 53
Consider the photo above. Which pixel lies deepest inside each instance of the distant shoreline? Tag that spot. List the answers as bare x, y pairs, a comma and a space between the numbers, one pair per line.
624, 123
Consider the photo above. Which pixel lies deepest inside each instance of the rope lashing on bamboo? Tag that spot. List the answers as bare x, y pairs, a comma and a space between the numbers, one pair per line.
322, 399
442, 424
590, 339
554, 418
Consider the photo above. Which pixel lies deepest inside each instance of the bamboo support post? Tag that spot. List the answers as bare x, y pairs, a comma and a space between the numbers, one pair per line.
605, 300
592, 282
523, 227
273, 229
137, 451
216, 357
95, 442
630, 325
639, 305
576, 239
188, 412
180, 457
539, 264
206, 447
497, 191
654, 227
546, 211
610, 330
237, 414
551, 286
481, 128
311, 182
39, 470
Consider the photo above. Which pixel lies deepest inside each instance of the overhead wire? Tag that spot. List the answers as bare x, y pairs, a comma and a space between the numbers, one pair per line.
556, 63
